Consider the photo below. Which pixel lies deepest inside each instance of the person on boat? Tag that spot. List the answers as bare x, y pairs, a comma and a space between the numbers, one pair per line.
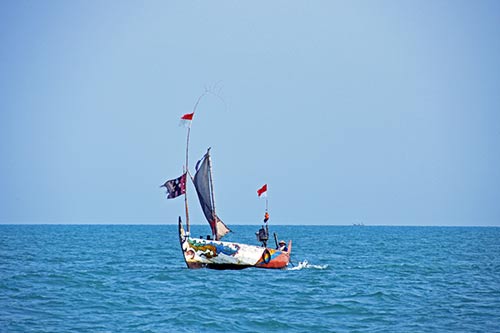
282, 246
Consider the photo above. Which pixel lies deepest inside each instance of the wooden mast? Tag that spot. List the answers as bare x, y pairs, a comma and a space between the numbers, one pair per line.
187, 163
185, 184
212, 196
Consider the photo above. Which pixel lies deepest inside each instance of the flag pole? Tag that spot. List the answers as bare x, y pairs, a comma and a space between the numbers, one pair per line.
266, 217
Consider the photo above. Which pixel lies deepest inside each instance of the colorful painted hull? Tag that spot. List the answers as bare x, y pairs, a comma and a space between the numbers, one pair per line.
201, 253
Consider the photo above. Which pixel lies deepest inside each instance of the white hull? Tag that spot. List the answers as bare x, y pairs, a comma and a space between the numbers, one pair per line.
200, 253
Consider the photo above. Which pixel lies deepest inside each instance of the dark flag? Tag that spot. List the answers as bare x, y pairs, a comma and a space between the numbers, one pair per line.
175, 187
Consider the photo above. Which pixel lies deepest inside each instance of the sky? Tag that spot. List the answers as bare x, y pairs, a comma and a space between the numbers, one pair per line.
374, 112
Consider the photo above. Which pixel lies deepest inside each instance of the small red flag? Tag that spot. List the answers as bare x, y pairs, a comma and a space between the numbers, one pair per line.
262, 191
188, 116
186, 120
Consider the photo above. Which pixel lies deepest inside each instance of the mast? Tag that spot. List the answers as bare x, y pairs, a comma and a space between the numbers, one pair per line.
214, 215
185, 186
187, 162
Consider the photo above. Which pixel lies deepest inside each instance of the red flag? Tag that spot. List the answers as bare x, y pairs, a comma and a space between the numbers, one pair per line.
188, 116
262, 191
186, 119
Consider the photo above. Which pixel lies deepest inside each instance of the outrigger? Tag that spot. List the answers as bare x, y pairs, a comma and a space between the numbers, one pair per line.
213, 252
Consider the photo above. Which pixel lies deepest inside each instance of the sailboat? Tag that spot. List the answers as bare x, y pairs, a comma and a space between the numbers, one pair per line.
212, 252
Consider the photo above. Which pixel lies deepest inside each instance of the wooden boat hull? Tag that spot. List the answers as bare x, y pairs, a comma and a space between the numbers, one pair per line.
203, 253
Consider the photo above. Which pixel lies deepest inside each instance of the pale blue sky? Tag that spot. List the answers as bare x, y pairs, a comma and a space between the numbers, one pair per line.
381, 112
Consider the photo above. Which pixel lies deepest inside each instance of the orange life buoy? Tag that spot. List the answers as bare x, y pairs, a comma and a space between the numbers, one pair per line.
266, 256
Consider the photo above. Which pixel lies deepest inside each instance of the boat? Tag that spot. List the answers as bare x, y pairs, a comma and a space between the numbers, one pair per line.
212, 252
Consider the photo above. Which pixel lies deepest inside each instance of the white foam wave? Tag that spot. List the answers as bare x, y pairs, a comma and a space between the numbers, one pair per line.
306, 264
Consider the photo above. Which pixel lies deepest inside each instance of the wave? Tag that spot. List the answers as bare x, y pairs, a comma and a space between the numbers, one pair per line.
306, 264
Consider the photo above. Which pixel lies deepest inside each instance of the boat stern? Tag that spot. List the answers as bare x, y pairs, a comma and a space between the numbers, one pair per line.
275, 259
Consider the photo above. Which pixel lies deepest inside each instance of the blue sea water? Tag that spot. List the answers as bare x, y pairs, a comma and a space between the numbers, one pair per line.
132, 278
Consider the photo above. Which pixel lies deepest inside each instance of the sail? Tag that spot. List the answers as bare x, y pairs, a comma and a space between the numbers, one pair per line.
203, 184
222, 229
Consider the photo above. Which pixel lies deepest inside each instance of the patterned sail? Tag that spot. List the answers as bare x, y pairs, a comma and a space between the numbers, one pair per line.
203, 184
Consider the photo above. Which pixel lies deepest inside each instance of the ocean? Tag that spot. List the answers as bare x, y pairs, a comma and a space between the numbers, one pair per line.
132, 278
